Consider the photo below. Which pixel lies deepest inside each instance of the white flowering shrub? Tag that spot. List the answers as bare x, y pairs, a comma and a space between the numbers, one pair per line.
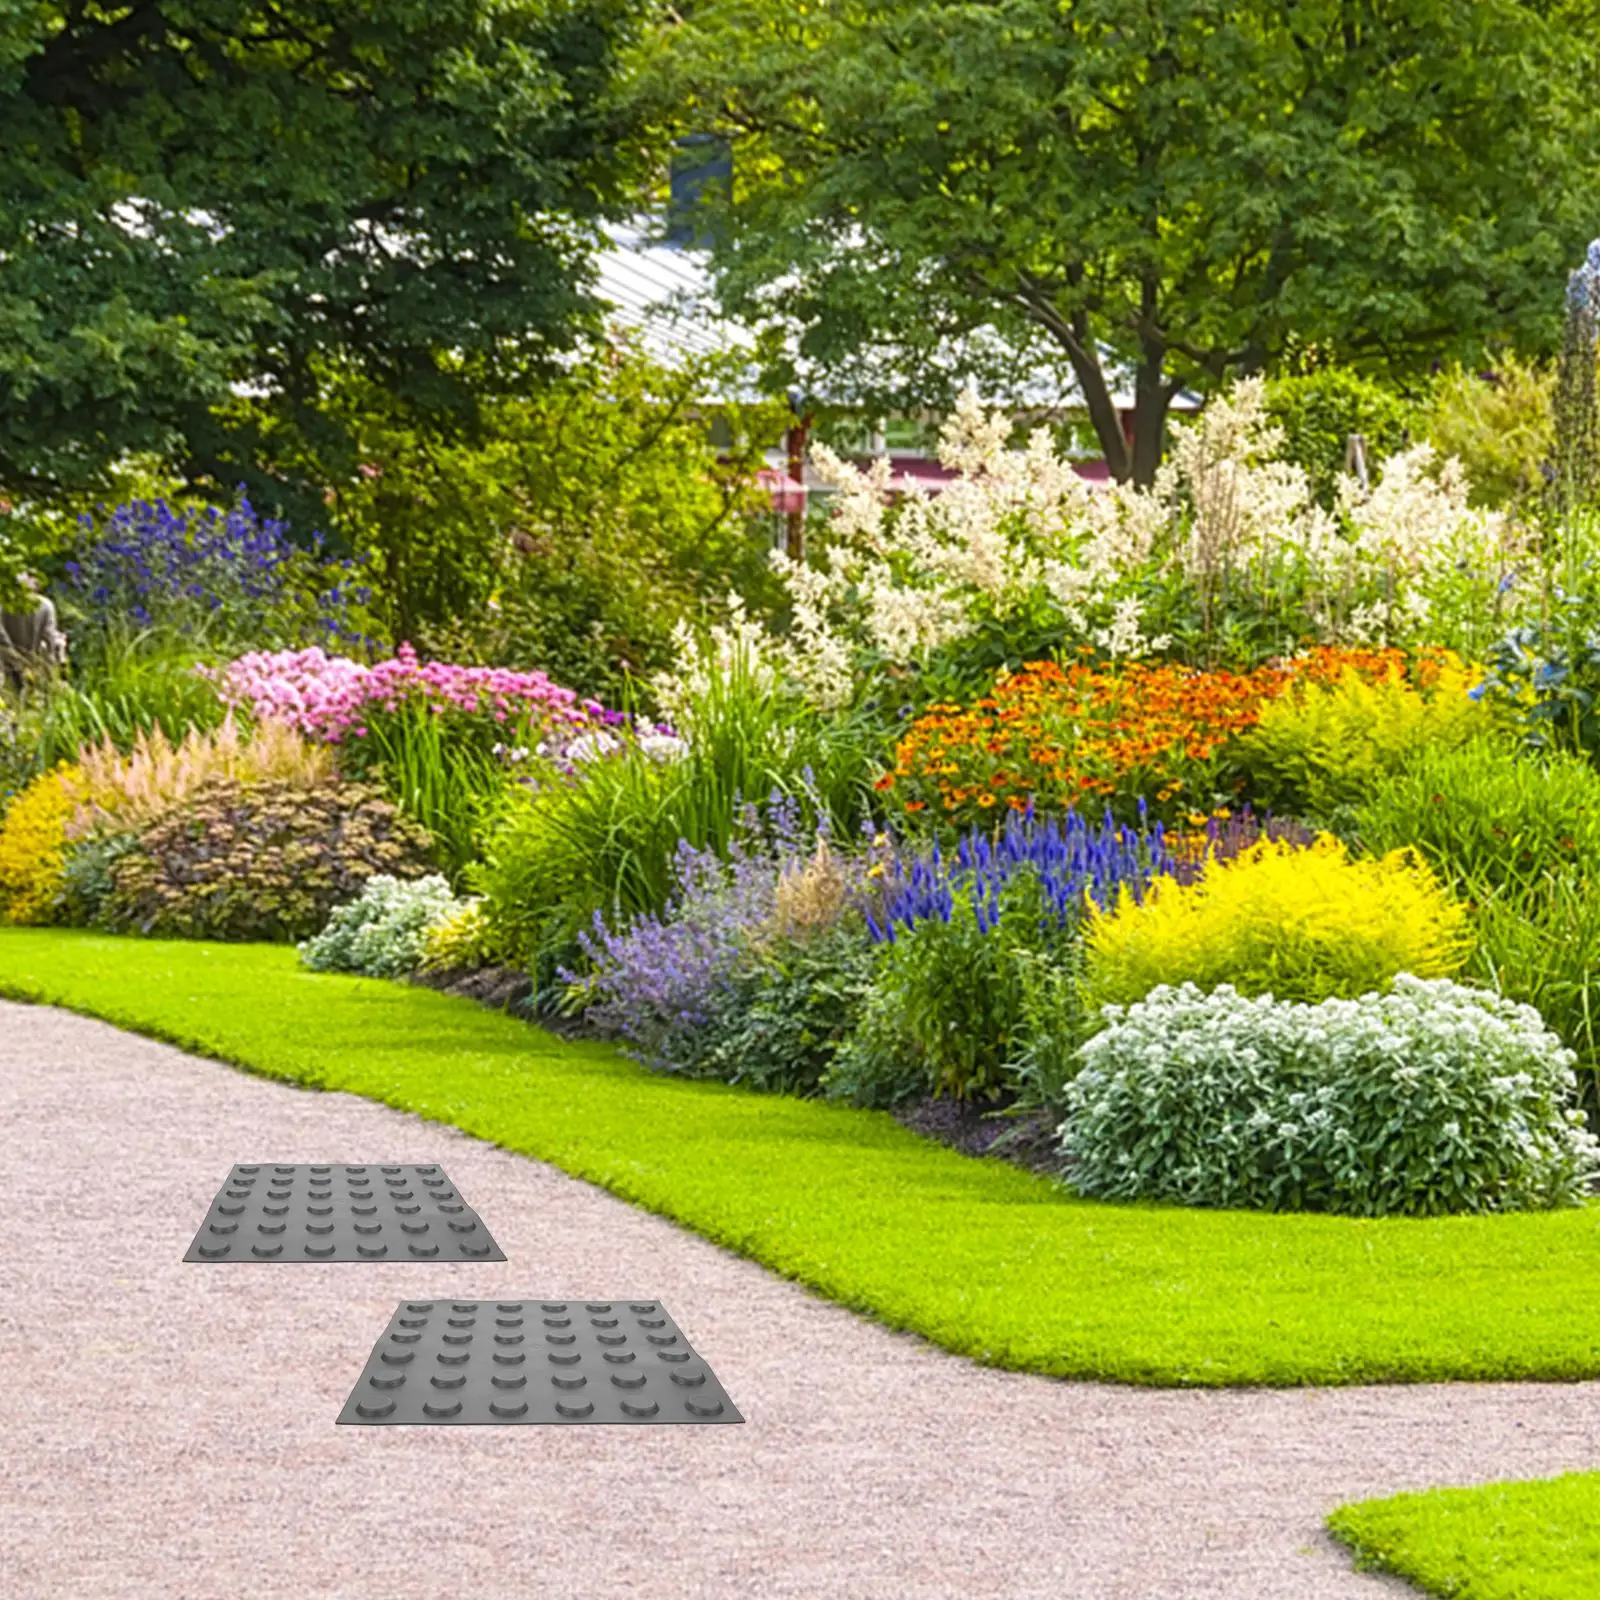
1226, 531
382, 933
739, 651
1433, 1098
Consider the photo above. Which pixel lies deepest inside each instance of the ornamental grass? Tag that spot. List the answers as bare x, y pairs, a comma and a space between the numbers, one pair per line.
128, 793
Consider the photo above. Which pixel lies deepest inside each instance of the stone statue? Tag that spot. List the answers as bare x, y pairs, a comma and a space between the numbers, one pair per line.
30, 640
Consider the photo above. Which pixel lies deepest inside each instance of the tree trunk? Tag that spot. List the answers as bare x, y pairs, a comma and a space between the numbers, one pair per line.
794, 537
1152, 396
1072, 334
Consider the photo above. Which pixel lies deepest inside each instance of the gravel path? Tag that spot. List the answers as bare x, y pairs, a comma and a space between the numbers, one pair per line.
168, 1429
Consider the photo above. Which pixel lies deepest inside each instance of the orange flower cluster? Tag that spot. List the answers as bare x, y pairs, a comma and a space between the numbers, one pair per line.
1058, 736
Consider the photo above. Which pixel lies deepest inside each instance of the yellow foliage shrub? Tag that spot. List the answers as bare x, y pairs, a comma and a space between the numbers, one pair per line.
1303, 923
463, 937
1323, 746
33, 845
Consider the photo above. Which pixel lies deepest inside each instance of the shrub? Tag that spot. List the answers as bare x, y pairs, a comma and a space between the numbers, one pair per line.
1319, 748
946, 1010
787, 1007
460, 938
33, 846
1501, 427
1318, 411
267, 861
382, 932
1487, 818
1301, 924
1518, 837
1428, 1100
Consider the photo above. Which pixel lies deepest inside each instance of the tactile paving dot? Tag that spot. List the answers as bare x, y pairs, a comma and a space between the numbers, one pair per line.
550, 1361
338, 1211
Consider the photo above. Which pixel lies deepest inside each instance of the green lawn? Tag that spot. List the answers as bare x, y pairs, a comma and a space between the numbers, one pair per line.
1506, 1541
974, 1255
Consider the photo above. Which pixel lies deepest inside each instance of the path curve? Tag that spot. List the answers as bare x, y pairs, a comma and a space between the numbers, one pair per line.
168, 1429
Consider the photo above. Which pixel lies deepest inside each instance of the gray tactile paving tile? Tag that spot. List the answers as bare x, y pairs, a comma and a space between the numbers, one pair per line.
520, 1361
341, 1212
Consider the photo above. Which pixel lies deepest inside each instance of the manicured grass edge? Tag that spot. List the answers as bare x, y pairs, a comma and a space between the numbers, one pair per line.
1533, 1540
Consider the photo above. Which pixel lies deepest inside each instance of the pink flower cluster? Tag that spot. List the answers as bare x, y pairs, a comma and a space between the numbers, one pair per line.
327, 697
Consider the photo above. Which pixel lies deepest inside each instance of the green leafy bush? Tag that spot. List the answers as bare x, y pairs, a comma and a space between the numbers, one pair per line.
1487, 817
1317, 750
382, 933
948, 1007
265, 861
787, 1008
1301, 923
1054, 1023
1431, 1099
1318, 411
1500, 428
1518, 837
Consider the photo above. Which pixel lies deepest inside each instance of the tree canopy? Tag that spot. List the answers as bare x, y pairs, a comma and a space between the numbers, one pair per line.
1187, 188
202, 195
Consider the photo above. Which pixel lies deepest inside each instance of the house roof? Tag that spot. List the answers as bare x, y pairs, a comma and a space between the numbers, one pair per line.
663, 294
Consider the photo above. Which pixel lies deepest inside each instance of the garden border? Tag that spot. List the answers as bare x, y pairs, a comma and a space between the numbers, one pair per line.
976, 1256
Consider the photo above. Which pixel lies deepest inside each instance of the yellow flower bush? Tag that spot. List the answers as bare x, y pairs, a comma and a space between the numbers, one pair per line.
1323, 745
33, 845
1306, 923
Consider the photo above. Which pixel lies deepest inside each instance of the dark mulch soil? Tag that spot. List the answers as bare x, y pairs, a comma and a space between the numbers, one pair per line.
1027, 1141
501, 988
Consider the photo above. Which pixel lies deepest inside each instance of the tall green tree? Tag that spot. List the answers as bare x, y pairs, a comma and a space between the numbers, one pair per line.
199, 195
1181, 186
571, 530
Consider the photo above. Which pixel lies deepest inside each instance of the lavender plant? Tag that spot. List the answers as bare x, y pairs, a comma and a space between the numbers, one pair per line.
653, 981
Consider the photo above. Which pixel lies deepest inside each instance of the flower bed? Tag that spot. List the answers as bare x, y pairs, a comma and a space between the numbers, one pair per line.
1055, 736
328, 698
